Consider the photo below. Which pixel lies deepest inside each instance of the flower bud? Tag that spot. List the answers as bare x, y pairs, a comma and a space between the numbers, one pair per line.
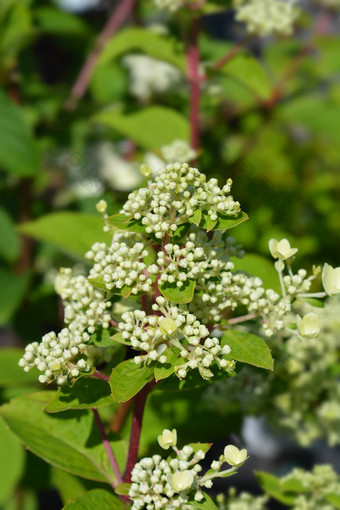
101, 206
281, 249
145, 171
233, 456
308, 326
167, 438
168, 326
181, 480
331, 279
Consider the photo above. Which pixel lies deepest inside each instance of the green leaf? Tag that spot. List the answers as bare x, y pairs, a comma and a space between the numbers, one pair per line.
97, 499
249, 72
248, 348
11, 375
317, 303
17, 149
193, 380
13, 290
271, 484
72, 232
179, 295
9, 239
159, 46
55, 21
143, 126
164, 370
102, 338
260, 266
333, 499
227, 222
207, 223
12, 462
123, 489
205, 504
123, 222
292, 485
85, 393
69, 441
196, 217
69, 486
127, 379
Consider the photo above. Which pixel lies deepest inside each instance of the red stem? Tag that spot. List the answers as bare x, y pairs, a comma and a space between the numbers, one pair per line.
108, 448
115, 21
193, 61
99, 375
136, 428
231, 54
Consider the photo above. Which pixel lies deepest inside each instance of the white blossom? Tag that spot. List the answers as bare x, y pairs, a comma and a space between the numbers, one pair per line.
308, 326
233, 456
281, 249
331, 279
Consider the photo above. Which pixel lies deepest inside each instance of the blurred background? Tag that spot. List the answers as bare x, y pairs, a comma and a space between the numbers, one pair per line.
271, 123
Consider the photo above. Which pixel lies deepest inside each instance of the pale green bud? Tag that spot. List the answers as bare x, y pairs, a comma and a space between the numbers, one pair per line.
281, 249
167, 438
233, 456
168, 326
145, 171
308, 326
331, 279
101, 206
181, 480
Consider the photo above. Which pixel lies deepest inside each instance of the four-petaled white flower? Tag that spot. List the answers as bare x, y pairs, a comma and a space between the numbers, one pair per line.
167, 439
181, 480
281, 249
308, 325
331, 279
233, 456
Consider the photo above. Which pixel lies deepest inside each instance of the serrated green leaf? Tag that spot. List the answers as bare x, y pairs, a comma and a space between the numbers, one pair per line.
249, 72
70, 441
12, 461
72, 232
164, 370
85, 393
13, 290
207, 223
205, 504
127, 379
11, 375
156, 45
271, 484
227, 222
143, 126
248, 348
18, 153
179, 295
123, 489
196, 217
97, 499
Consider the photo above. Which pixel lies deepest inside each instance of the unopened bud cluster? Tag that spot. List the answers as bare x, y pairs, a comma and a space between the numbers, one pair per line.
172, 197
63, 355
267, 17
173, 483
121, 264
175, 328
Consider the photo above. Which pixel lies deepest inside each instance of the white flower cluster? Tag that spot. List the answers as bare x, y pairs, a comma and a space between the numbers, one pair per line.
150, 76
176, 328
267, 17
179, 151
319, 483
172, 197
242, 501
63, 355
175, 482
169, 5
121, 264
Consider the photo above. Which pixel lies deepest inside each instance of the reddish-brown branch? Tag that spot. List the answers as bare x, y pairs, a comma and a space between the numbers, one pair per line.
193, 61
136, 428
99, 375
108, 448
115, 21
231, 54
